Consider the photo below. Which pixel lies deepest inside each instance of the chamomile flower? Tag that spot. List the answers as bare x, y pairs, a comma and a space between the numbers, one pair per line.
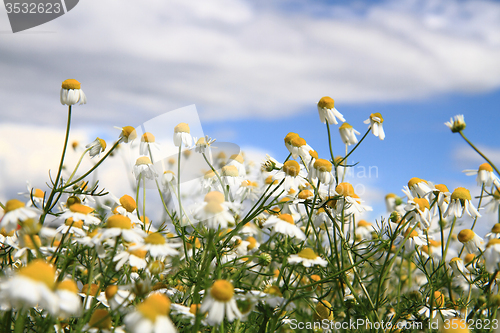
438, 303
230, 176
16, 212
471, 240
157, 246
308, 258
148, 144
79, 212
348, 134
68, 300
32, 285
118, 296
214, 215
270, 164
456, 124
485, 175
322, 170
419, 209
495, 232
135, 256
348, 201
220, 303
290, 173
376, 122
144, 167
96, 147
327, 111
418, 188
71, 93
120, 225
460, 202
72, 227
415, 238
284, 224
299, 147
182, 135
203, 145
492, 255
127, 135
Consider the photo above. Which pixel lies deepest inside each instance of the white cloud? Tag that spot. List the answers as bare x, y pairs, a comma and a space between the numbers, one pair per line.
238, 59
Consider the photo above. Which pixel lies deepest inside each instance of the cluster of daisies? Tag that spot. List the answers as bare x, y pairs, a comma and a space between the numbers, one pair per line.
255, 248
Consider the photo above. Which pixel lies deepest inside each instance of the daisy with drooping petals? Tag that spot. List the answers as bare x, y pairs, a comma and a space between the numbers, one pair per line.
15, 212
144, 167
308, 258
148, 145
70, 303
494, 233
471, 240
71, 93
348, 134
290, 172
419, 209
327, 111
456, 124
284, 224
492, 255
438, 303
349, 201
79, 212
220, 303
135, 256
460, 201
96, 147
299, 147
127, 135
418, 188
322, 170
214, 215
485, 175
182, 136
203, 145
375, 122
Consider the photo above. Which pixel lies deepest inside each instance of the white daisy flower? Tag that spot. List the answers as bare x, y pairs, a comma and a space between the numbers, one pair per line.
299, 147
471, 240
415, 238
71, 93
438, 303
308, 258
419, 209
96, 147
284, 224
214, 211
144, 167
348, 134
327, 111
460, 201
376, 122
494, 233
118, 296
127, 135
120, 225
16, 212
182, 136
72, 227
79, 212
148, 145
322, 170
70, 304
492, 255
203, 145
418, 187
456, 124
220, 303
135, 256
157, 246
485, 175
290, 172
238, 161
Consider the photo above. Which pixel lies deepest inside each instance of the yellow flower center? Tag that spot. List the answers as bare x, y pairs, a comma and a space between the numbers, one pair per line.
129, 132
461, 194
486, 167
290, 136
28, 242
74, 224
313, 153
213, 207
390, 196
140, 253
324, 310
100, 319
380, 119
237, 157
119, 221
79, 208
465, 235
304, 194
182, 127
252, 241
414, 181
128, 203
155, 239
38, 193
69, 285
287, 218
494, 241
215, 196
91, 290
469, 257
291, 168
496, 228
345, 189
307, 253
326, 103
438, 299
7, 234
269, 181
71, 84
363, 223
143, 160
442, 188
322, 165
230, 171
148, 137
411, 233
421, 203
222, 291
298, 142
40, 271
13, 205
345, 126
102, 143
194, 308
273, 290
111, 291
455, 259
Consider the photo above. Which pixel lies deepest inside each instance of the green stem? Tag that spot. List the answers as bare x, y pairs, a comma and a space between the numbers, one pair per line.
77, 165
480, 153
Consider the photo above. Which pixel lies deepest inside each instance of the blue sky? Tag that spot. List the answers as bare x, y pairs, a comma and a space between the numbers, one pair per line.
255, 71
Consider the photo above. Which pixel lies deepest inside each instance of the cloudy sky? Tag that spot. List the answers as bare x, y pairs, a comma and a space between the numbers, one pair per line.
255, 71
